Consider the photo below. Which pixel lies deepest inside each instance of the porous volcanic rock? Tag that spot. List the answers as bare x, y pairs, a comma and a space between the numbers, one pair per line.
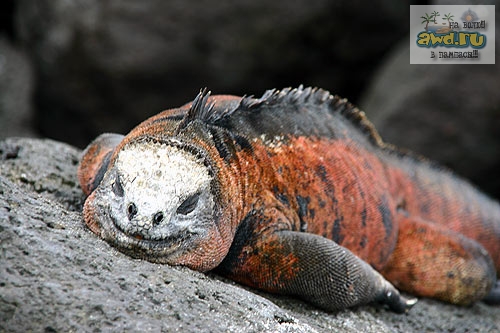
56, 276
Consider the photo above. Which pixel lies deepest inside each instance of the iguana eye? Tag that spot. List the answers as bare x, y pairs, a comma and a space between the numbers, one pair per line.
117, 186
131, 210
188, 205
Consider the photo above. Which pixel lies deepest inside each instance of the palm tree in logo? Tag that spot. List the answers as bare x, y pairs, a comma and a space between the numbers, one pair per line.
448, 17
427, 20
435, 14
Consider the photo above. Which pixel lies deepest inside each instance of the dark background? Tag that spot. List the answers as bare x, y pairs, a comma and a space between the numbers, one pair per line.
70, 70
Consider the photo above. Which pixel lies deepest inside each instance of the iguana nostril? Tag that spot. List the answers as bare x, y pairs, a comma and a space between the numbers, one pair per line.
158, 218
131, 210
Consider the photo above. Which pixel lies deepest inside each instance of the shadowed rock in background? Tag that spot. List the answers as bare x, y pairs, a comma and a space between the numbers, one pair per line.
104, 66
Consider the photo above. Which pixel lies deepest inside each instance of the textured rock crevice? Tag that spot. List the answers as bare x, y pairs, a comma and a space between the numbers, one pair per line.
55, 275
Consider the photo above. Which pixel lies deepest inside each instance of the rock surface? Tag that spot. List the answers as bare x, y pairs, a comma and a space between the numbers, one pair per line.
449, 113
56, 276
106, 65
16, 91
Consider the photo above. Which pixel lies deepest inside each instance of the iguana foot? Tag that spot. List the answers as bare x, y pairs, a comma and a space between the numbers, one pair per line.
398, 303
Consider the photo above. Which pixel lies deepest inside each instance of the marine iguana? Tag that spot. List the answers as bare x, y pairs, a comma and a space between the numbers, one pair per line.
293, 193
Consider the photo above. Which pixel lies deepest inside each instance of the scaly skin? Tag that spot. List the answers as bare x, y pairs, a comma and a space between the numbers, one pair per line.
305, 199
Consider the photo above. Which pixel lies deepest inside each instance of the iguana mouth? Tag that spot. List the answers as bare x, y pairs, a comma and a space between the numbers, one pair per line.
137, 246
136, 237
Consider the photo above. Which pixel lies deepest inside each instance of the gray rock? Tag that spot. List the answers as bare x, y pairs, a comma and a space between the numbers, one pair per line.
16, 91
449, 113
55, 275
106, 65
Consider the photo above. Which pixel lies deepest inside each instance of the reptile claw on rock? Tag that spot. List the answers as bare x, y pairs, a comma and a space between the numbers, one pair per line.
402, 304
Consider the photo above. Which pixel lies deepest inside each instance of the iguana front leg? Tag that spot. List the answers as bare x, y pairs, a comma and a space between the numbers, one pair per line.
309, 266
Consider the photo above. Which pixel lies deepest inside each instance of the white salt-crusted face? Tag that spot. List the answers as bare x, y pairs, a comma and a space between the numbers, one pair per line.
159, 191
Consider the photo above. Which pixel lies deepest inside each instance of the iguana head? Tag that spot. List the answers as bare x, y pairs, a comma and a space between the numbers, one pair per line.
157, 193
157, 201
